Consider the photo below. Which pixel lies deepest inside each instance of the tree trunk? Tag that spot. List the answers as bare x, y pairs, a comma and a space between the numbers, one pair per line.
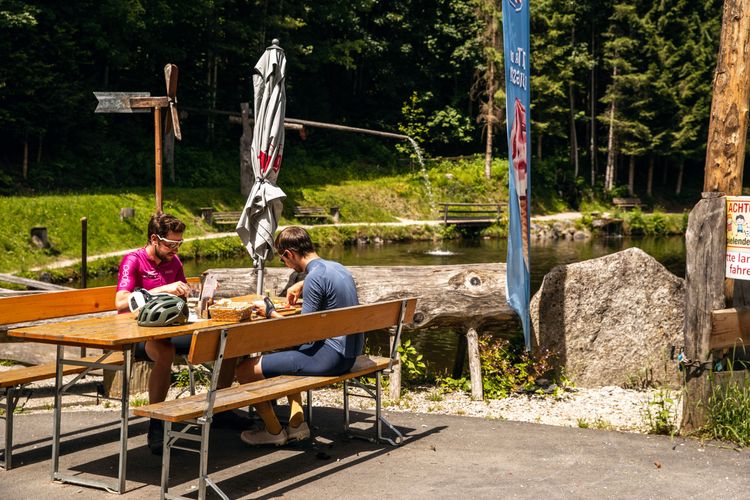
650, 180
445, 293
631, 175
539, 147
681, 169
211, 81
491, 112
665, 172
488, 153
25, 166
609, 180
169, 155
705, 241
727, 130
247, 177
573, 134
39, 148
592, 144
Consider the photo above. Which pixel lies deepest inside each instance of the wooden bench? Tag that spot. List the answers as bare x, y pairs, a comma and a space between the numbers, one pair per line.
48, 306
37, 307
318, 214
626, 203
261, 336
226, 218
468, 214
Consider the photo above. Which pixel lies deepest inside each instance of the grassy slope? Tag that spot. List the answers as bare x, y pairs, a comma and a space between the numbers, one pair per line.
374, 199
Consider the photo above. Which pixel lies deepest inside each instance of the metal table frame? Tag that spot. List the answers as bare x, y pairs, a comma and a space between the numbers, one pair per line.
60, 389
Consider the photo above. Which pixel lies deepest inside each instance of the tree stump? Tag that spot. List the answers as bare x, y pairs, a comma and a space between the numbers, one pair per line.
127, 213
39, 237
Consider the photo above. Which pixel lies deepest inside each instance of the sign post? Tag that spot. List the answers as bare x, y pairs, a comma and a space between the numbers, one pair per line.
142, 102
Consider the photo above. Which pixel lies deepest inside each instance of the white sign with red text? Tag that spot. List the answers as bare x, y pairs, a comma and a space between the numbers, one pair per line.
738, 237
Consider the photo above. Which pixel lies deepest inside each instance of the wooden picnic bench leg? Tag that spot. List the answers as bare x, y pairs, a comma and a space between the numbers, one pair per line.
57, 414
10, 408
378, 395
124, 413
166, 450
380, 419
346, 406
309, 408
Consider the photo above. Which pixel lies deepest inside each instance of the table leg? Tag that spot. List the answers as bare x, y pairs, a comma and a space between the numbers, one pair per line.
124, 413
58, 414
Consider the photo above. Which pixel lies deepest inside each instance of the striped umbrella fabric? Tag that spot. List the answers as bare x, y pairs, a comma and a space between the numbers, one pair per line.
260, 216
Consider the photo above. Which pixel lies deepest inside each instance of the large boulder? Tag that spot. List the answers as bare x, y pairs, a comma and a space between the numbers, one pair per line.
611, 320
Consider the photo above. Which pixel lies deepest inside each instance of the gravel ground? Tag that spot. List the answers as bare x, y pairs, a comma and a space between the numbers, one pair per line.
606, 407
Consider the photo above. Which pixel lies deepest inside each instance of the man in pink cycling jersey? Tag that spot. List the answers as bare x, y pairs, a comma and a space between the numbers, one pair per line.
157, 268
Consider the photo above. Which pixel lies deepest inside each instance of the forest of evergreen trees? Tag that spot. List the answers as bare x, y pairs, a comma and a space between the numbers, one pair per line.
621, 91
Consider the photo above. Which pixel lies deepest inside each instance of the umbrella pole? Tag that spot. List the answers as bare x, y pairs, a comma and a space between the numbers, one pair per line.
259, 289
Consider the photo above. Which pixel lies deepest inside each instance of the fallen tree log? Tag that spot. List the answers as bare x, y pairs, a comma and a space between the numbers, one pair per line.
465, 295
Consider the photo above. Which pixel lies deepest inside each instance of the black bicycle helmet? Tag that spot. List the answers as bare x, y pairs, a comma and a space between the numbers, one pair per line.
163, 311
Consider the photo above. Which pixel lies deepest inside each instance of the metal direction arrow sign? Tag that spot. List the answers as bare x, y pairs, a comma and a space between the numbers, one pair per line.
128, 102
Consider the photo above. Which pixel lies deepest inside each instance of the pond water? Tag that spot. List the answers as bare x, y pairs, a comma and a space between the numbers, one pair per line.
439, 345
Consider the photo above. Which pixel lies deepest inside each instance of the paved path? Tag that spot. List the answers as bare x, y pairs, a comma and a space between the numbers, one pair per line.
444, 457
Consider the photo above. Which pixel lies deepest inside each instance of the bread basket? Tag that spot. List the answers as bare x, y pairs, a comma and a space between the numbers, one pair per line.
230, 311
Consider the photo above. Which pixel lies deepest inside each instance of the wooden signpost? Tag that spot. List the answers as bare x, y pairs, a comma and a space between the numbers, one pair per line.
142, 102
708, 325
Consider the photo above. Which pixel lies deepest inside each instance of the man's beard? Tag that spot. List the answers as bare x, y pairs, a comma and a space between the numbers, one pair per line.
163, 256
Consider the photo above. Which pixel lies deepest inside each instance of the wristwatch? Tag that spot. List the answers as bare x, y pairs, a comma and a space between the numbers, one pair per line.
269, 306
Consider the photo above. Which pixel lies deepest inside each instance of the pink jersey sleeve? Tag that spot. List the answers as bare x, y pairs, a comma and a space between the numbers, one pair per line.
128, 274
180, 275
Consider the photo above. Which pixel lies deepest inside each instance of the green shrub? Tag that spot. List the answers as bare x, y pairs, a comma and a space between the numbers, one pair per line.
412, 366
450, 384
201, 375
660, 413
507, 369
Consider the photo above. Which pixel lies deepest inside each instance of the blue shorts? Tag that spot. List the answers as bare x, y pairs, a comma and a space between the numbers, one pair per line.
181, 344
308, 359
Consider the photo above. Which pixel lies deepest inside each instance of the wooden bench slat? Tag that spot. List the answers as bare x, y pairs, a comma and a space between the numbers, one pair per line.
264, 336
56, 304
255, 392
457, 213
27, 374
626, 202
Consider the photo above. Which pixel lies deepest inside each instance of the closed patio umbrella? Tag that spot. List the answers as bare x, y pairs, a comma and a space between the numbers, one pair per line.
260, 217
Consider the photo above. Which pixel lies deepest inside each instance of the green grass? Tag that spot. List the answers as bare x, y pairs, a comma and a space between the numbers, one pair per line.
729, 410
361, 195
61, 214
138, 401
659, 413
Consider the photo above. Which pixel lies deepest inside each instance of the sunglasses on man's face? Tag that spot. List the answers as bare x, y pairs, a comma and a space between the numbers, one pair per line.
283, 256
173, 244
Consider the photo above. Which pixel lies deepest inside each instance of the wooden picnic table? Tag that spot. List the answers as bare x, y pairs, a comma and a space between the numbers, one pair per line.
115, 333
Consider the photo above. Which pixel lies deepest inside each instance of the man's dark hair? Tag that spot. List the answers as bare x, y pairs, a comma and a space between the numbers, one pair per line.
296, 239
162, 224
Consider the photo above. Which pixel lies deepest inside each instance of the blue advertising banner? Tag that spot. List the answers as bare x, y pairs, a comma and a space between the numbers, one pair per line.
518, 121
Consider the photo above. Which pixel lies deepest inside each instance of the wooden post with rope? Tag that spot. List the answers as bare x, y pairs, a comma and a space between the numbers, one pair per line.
706, 288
